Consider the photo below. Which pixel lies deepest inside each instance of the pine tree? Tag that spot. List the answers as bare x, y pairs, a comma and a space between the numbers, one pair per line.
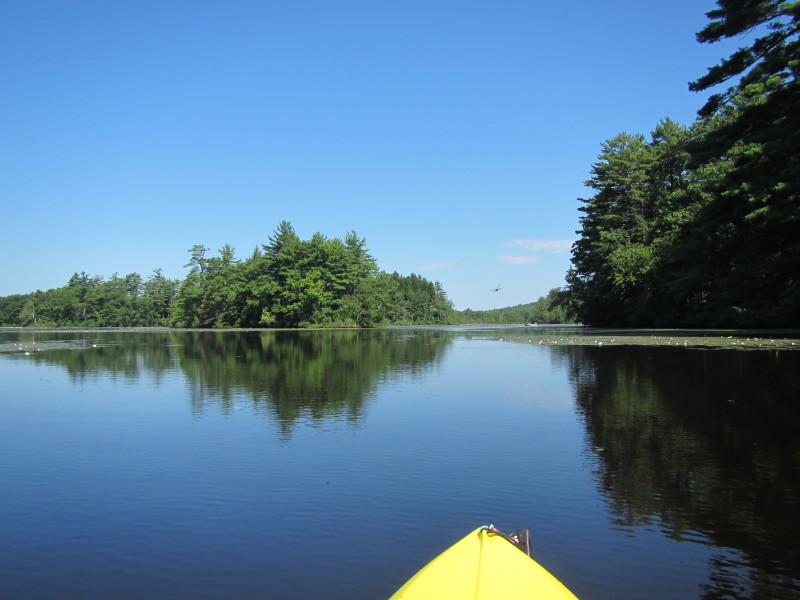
752, 223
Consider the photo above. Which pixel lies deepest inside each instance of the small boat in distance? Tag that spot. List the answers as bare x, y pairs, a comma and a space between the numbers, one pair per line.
534, 324
485, 565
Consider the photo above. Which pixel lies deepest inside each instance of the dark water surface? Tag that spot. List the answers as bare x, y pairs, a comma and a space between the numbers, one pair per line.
335, 463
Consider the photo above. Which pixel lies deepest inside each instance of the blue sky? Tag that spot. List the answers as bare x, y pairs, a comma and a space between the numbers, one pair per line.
454, 136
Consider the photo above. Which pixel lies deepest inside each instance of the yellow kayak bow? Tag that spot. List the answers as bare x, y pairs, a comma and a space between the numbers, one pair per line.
484, 565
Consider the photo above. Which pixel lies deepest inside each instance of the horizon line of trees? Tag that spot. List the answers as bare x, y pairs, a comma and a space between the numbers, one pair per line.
699, 226
553, 309
692, 226
288, 282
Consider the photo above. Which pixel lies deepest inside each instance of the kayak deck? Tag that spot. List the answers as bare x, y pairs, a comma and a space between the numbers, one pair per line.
484, 565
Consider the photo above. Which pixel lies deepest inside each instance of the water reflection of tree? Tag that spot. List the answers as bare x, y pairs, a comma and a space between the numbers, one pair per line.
87, 355
308, 375
701, 442
289, 375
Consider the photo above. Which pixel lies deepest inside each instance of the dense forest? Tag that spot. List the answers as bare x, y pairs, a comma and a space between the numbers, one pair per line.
288, 282
699, 225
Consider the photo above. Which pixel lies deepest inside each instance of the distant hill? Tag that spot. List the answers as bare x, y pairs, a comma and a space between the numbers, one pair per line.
547, 309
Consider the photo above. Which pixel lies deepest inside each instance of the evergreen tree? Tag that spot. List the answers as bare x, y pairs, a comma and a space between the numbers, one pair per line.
639, 205
751, 224
288, 282
158, 297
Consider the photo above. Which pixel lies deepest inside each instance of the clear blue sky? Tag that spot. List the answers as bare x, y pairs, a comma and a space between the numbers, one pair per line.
454, 136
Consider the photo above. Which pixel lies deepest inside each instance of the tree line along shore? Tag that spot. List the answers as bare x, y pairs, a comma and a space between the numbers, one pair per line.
699, 226
286, 283
689, 226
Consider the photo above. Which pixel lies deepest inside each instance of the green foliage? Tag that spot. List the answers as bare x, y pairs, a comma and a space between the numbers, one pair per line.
158, 295
288, 282
11, 308
700, 226
554, 309
751, 225
206, 296
88, 301
642, 195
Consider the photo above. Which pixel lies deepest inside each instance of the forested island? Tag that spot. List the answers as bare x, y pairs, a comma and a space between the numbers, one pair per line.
287, 282
691, 226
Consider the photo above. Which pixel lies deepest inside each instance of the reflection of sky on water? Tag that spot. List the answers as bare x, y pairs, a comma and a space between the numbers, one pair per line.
197, 456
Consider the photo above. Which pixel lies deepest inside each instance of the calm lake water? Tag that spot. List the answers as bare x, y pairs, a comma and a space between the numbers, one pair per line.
334, 464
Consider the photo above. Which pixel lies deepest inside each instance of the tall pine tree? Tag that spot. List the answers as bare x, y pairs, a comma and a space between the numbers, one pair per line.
751, 224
